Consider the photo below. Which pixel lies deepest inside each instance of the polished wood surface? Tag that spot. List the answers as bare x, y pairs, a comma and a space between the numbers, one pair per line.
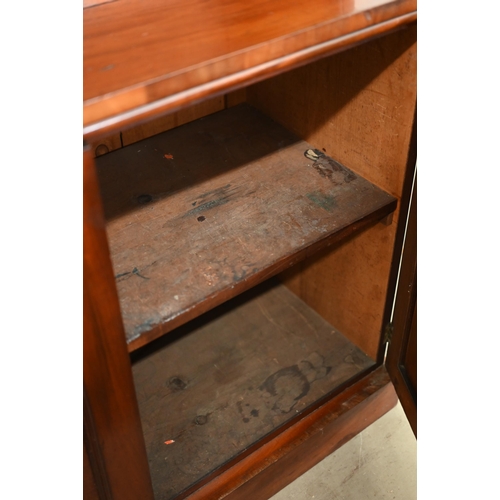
358, 107
218, 385
93, 3
280, 460
190, 228
112, 430
144, 58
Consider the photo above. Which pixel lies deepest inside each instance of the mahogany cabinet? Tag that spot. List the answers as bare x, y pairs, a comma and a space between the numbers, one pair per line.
249, 248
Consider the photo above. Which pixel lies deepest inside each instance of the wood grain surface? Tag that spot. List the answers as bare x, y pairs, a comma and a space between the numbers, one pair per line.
205, 211
358, 107
172, 120
276, 463
220, 384
141, 58
141, 131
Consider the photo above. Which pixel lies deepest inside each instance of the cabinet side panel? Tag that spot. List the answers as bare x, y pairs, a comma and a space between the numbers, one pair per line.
358, 107
401, 359
89, 486
112, 427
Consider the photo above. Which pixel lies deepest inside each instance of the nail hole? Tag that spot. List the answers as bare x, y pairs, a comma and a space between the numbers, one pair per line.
201, 420
201, 218
144, 198
177, 384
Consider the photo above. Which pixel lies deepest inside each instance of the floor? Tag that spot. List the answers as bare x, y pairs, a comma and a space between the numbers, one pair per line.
380, 462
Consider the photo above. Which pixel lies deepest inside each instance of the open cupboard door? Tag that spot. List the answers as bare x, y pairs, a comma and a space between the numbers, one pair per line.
401, 361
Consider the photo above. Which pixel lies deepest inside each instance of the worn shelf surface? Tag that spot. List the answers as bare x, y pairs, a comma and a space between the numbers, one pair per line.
228, 379
144, 57
203, 212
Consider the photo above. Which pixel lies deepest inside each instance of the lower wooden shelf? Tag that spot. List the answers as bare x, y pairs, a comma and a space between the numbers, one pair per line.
213, 388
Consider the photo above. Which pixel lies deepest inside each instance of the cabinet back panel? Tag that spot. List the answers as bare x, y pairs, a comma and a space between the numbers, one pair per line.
358, 107
164, 123
167, 122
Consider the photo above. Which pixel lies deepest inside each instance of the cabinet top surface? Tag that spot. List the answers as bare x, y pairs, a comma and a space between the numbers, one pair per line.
141, 56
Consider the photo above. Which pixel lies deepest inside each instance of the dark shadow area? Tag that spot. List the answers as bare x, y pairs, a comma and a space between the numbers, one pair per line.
181, 158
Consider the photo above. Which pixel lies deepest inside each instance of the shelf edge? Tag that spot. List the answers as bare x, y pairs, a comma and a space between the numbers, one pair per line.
100, 128
229, 292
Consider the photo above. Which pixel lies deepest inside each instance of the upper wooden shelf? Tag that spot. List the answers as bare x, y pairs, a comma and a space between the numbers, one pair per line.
141, 58
200, 213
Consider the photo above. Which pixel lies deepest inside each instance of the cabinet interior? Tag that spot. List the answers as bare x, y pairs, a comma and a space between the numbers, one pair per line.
252, 238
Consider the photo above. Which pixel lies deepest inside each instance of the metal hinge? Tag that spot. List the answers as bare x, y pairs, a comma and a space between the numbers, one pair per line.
388, 331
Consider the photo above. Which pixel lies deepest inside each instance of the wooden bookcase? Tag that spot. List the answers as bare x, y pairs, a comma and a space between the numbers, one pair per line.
248, 171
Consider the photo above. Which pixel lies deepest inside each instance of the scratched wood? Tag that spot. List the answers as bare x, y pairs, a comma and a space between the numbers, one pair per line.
229, 378
358, 106
205, 211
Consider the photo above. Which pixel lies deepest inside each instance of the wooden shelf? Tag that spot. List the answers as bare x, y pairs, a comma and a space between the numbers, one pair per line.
200, 213
144, 58
225, 381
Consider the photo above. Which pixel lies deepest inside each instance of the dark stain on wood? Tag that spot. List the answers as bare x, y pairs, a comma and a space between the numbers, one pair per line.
215, 193
230, 377
144, 198
327, 167
127, 275
207, 206
177, 384
288, 385
201, 419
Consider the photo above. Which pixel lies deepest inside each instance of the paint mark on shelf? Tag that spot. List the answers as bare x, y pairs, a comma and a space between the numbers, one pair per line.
324, 201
